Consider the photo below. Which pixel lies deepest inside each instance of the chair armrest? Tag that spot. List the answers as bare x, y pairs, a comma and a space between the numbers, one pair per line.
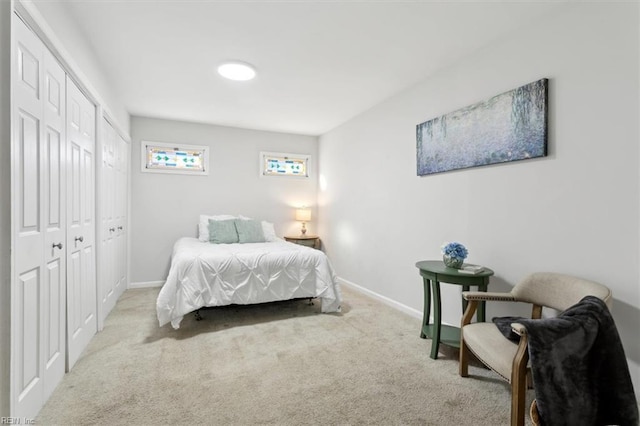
484, 296
468, 313
473, 297
519, 329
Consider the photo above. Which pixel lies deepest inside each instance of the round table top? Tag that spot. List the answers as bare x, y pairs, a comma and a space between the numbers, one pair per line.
438, 267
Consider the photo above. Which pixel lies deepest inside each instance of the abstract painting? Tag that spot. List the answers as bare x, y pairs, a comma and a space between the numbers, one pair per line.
508, 127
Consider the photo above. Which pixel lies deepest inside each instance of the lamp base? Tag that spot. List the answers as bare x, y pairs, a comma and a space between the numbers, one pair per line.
303, 231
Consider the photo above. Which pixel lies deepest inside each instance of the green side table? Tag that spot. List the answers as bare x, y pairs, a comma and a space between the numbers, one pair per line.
434, 272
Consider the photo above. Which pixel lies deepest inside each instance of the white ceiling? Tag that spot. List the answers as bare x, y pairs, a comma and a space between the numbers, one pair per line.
319, 63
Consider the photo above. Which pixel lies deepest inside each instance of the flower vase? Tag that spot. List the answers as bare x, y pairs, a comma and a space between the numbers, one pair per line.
452, 262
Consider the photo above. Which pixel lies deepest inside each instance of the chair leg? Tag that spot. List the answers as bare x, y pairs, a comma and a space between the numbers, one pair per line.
533, 413
463, 365
519, 382
518, 394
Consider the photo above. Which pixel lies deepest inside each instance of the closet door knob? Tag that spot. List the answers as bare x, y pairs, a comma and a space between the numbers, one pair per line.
112, 229
80, 238
59, 245
120, 228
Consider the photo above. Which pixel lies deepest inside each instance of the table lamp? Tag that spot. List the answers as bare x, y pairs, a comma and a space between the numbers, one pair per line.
303, 215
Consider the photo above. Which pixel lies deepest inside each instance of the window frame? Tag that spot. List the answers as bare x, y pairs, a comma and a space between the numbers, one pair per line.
144, 145
264, 157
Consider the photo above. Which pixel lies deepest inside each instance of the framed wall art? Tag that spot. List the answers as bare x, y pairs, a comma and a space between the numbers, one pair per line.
508, 127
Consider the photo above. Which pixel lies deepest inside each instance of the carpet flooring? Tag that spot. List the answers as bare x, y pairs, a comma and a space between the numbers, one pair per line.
281, 363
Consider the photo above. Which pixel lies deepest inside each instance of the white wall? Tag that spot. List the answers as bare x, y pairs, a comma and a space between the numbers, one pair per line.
166, 207
82, 58
575, 211
5, 205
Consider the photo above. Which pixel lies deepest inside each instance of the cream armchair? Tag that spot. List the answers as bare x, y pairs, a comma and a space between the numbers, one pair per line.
505, 357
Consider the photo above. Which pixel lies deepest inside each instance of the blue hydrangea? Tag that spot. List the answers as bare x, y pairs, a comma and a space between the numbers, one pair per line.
455, 250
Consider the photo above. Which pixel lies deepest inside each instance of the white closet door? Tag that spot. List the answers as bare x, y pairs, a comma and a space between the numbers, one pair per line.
108, 274
38, 278
81, 273
26, 369
122, 172
54, 224
113, 177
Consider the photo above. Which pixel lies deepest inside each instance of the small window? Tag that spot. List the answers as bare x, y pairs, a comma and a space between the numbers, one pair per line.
281, 164
158, 157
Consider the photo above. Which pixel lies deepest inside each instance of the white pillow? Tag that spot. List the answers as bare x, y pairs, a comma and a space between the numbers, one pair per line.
203, 226
269, 232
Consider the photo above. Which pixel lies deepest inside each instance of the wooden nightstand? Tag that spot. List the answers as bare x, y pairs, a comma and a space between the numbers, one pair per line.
312, 241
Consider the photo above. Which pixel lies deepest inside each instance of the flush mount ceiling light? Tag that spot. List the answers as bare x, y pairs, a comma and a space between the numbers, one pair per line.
238, 71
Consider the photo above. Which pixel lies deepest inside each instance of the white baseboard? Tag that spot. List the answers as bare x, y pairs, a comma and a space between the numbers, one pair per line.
384, 299
146, 284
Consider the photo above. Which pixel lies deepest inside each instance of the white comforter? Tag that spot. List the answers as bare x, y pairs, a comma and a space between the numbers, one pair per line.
205, 274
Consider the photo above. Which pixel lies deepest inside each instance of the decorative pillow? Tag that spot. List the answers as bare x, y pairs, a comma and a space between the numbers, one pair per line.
222, 231
249, 231
203, 225
269, 232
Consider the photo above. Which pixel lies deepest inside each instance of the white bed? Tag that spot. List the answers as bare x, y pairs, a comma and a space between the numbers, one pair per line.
204, 274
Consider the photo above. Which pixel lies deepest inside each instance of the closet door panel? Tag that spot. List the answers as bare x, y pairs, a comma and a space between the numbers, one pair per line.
74, 183
53, 180
88, 253
81, 277
27, 68
54, 298
123, 197
27, 223
54, 191
28, 258
74, 301
29, 383
113, 207
108, 227
74, 281
28, 144
89, 318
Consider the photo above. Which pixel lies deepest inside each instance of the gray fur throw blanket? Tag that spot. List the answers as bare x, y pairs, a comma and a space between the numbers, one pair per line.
580, 372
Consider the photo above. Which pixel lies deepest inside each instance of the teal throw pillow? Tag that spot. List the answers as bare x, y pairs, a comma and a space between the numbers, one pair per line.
222, 231
249, 231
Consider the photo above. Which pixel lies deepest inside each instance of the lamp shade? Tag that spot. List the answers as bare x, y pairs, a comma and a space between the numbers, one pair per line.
303, 215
